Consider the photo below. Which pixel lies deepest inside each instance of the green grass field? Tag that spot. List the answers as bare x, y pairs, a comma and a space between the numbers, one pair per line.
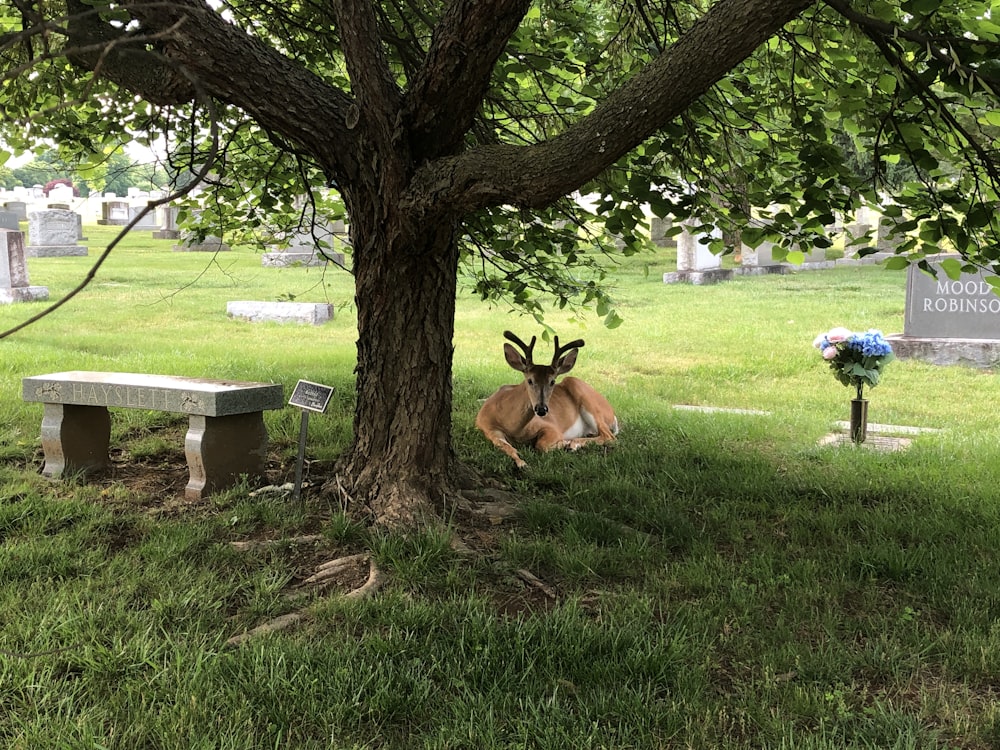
716, 580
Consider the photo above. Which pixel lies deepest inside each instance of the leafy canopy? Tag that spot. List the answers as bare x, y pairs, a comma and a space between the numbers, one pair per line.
819, 121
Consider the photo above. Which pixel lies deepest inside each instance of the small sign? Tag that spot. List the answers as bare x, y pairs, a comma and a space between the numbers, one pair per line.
311, 396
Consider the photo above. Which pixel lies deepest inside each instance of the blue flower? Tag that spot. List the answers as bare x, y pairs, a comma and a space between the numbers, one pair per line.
856, 359
871, 343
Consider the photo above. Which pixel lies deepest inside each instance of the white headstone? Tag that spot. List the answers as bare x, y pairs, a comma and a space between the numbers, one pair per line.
692, 249
14, 286
61, 193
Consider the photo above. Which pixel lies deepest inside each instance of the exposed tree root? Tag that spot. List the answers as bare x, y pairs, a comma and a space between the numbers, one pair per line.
256, 544
332, 568
494, 505
535, 582
281, 622
373, 584
325, 575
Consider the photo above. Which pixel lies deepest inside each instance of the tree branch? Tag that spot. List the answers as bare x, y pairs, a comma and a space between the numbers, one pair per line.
535, 176
378, 96
232, 66
933, 45
450, 86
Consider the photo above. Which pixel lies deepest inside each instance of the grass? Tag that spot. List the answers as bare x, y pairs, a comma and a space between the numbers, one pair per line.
720, 580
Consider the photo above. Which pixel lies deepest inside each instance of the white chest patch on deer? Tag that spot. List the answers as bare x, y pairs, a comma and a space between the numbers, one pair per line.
580, 428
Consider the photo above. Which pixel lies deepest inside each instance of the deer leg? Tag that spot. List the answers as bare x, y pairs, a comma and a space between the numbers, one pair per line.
550, 440
500, 441
605, 435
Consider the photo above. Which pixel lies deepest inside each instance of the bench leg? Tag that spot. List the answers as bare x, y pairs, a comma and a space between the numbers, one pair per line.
75, 439
221, 449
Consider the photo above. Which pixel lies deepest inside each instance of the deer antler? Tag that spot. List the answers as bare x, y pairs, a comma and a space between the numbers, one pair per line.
561, 350
526, 349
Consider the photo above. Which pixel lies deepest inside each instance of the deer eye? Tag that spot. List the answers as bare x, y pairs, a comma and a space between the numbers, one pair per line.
552, 382
531, 381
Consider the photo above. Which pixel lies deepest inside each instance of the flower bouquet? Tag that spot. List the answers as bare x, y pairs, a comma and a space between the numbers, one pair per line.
856, 359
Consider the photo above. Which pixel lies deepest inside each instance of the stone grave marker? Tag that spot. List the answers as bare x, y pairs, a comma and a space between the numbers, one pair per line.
657, 232
53, 233
19, 208
8, 220
761, 260
190, 243
14, 286
301, 247
311, 313
949, 321
147, 222
696, 264
168, 223
114, 213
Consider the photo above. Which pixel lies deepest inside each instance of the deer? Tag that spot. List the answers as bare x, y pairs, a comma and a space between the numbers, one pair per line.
569, 414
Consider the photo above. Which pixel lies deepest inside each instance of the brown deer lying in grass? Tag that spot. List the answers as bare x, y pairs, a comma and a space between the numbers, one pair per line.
569, 414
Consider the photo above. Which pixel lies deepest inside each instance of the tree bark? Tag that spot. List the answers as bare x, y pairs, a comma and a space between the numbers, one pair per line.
406, 281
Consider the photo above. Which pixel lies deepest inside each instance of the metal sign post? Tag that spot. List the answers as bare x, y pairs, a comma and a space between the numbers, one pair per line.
309, 397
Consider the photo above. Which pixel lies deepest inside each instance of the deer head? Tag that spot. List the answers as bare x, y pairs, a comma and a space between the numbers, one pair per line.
539, 380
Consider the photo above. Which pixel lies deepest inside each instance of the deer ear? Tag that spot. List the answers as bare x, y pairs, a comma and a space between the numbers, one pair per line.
566, 363
514, 358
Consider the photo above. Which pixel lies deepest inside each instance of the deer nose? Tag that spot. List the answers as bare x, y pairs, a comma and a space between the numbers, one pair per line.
541, 410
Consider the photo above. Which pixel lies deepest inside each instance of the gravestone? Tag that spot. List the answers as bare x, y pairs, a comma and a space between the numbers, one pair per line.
696, 264
147, 222
61, 194
761, 260
53, 233
14, 286
114, 213
300, 248
949, 321
312, 313
191, 244
658, 232
8, 220
168, 223
884, 246
19, 208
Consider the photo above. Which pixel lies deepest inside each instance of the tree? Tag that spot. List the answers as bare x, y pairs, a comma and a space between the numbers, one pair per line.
457, 129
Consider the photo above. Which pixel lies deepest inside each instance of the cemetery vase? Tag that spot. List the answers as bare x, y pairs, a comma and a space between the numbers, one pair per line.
859, 420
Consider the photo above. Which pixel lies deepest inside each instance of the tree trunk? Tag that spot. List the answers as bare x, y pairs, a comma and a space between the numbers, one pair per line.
406, 283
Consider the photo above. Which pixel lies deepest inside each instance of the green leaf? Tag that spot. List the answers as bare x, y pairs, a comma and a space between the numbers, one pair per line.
887, 83
953, 268
992, 117
896, 263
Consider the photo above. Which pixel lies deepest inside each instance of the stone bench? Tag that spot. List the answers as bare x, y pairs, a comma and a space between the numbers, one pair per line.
226, 435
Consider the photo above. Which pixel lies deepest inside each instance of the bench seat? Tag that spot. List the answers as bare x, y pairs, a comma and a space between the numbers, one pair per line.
226, 436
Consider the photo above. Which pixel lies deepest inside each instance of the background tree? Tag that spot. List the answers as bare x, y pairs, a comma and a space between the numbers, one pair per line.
456, 129
111, 171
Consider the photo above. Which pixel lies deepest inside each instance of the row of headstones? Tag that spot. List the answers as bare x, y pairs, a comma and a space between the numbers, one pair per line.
15, 287
55, 232
697, 264
947, 321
